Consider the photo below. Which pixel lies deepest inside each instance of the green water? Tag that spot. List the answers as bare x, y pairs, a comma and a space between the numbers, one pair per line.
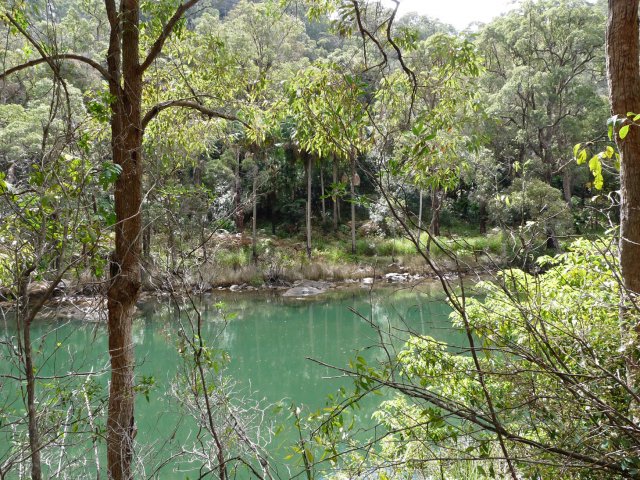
268, 339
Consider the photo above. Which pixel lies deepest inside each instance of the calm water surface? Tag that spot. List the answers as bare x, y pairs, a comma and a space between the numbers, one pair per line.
268, 339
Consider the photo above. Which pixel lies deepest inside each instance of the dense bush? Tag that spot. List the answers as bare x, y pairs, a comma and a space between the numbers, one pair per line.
543, 385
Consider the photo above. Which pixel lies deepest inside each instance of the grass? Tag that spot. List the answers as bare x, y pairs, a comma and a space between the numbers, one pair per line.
232, 263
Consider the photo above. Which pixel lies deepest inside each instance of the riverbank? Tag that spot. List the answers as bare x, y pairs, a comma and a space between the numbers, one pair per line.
280, 266
232, 263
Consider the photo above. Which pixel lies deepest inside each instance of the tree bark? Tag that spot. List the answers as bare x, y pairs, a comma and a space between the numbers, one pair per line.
254, 224
126, 144
420, 218
324, 205
623, 72
334, 197
436, 205
309, 165
237, 199
353, 205
34, 431
146, 242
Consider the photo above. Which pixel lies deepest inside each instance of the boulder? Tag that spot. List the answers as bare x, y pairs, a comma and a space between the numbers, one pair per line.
396, 277
306, 288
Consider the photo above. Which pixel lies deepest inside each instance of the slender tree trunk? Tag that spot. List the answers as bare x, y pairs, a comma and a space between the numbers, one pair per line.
126, 144
420, 217
254, 201
353, 205
237, 199
146, 242
334, 197
309, 166
436, 205
34, 431
623, 71
324, 205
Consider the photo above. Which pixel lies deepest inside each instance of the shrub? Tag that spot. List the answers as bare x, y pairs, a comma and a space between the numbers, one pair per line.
541, 393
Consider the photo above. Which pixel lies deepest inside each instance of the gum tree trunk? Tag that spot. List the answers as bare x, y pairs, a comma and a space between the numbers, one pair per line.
324, 204
254, 217
353, 205
308, 165
126, 144
436, 205
623, 71
334, 197
420, 217
237, 199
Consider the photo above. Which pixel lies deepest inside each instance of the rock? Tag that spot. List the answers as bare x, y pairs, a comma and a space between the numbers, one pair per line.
367, 281
396, 277
312, 284
302, 292
37, 290
307, 288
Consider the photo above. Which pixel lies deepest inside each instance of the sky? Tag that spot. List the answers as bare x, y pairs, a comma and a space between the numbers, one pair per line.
459, 13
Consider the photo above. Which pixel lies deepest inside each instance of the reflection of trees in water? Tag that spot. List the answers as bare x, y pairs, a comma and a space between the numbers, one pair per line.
268, 340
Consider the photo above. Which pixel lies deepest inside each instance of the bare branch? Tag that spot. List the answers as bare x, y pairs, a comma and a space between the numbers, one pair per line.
61, 56
208, 112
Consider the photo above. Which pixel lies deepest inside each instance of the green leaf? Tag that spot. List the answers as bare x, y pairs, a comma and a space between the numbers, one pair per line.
623, 132
582, 156
609, 151
595, 165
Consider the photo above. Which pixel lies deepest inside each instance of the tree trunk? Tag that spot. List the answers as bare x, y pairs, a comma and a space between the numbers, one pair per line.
254, 200
353, 205
324, 205
420, 218
126, 144
24, 319
237, 199
308, 164
623, 71
146, 242
436, 205
334, 197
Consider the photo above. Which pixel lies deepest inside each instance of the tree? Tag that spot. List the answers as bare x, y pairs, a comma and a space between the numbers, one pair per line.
623, 72
542, 86
124, 73
327, 106
428, 140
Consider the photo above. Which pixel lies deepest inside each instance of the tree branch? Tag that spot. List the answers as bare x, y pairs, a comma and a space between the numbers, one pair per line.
166, 31
61, 56
208, 112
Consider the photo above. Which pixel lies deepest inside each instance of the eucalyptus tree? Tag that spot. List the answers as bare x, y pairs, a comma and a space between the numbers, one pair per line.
544, 83
428, 139
124, 71
623, 72
328, 107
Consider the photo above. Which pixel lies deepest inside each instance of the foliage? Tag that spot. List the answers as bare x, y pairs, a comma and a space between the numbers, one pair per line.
547, 354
